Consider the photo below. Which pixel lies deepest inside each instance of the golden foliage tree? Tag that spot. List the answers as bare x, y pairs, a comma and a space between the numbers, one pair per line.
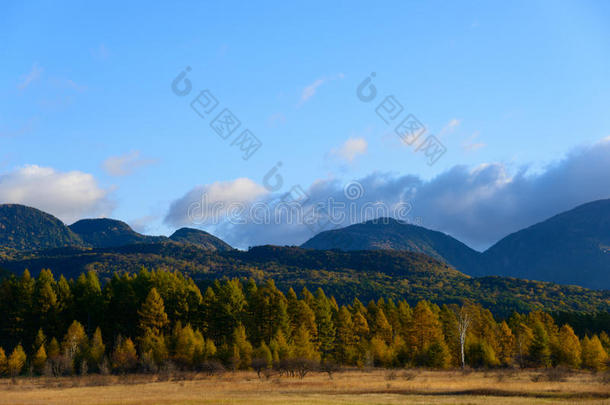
16, 361
593, 354
567, 351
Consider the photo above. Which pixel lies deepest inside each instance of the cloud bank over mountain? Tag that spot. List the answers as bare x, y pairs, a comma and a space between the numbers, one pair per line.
478, 205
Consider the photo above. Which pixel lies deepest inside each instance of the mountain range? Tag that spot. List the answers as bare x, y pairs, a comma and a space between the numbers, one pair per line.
570, 248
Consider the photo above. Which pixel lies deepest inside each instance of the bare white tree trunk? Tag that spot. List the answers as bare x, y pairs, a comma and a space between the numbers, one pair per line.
464, 319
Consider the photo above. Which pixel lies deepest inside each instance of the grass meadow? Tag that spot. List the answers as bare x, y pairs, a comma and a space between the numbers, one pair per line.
346, 387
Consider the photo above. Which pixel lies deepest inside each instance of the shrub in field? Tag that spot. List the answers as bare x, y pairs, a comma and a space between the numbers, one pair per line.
212, 367
58, 365
258, 365
297, 367
330, 367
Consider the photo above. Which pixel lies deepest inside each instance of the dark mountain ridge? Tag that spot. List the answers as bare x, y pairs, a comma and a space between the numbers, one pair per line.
200, 238
26, 228
106, 232
391, 234
572, 247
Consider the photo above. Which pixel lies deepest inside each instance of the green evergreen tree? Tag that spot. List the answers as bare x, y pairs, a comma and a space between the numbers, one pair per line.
303, 347
153, 318
242, 349
540, 350
324, 323
97, 350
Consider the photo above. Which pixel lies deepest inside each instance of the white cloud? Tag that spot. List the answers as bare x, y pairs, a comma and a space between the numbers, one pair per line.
351, 149
309, 91
207, 203
125, 165
31, 77
450, 127
67, 195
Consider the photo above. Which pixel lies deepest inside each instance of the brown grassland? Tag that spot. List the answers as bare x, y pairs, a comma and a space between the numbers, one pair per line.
347, 387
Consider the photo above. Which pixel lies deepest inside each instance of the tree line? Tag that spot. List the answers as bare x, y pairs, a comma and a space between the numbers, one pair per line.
154, 319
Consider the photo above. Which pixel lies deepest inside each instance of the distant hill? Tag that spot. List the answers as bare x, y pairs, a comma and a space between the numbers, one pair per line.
105, 232
345, 275
26, 228
390, 234
200, 238
570, 248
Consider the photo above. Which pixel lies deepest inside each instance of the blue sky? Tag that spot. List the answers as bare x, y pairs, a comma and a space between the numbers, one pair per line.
89, 125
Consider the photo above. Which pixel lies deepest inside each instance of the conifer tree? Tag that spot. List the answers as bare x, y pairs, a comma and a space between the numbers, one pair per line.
39, 360
523, 340
88, 299
75, 345
361, 327
153, 318
345, 343
187, 345
45, 299
279, 346
208, 305
124, 357
65, 306
506, 344
435, 354
593, 354
264, 353
39, 340
540, 350
303, 347
324, 322
567, 351
481, 354
96, 353
3, 363
380, 351
382, 328
302, 314
425, 328
242, 349
53, 349
16, 361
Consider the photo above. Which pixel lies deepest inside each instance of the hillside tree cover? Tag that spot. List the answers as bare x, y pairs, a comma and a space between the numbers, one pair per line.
148, 320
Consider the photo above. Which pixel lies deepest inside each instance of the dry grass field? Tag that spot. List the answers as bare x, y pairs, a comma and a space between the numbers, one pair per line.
348, 387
